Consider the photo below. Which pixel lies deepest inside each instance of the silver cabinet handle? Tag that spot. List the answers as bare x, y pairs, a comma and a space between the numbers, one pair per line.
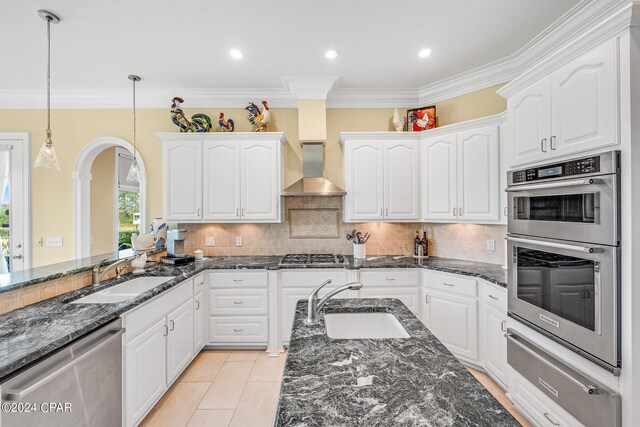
460, 213
173, 325
546, 415
454, 212
575, 248
389, 278
506, 212
503, 326
238, 212
19, 394
237, 330
200, 284
386, 212
238, 302
448, 284
238, 280
543, 143
381, 212
198, 211
552, 144
426, 299
242, 211
166, 330
197, 305
492, 297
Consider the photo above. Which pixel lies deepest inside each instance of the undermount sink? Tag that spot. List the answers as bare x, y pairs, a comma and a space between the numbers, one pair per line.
123, 291
364, 326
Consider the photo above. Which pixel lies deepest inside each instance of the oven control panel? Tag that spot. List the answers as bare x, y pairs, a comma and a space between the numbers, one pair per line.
588, 165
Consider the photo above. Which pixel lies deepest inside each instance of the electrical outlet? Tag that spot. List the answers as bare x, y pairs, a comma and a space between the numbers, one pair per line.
491, 245
239, 241
209, 241
53, 242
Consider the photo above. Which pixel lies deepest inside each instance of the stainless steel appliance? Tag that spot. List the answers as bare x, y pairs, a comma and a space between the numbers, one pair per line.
80, 385
313, 260
563, 254
175, 242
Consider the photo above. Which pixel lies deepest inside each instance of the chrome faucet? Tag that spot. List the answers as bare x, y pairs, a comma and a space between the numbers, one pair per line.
315, 304
97, 275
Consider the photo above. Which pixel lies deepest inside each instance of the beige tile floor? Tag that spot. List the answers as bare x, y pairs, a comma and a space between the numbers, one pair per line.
240, 389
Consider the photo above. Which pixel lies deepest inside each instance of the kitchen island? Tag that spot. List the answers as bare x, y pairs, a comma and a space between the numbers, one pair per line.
414, 381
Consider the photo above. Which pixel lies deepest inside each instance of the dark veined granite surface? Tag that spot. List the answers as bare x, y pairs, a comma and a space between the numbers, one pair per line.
30, 333
390, 382
490, 272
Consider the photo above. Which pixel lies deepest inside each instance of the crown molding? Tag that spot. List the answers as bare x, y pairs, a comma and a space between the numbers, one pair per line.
373, 98
222, 136
310, 87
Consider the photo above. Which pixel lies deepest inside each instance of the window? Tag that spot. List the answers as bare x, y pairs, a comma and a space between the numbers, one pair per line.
128, 202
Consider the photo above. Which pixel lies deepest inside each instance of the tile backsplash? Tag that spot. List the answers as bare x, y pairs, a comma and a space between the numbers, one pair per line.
463, 241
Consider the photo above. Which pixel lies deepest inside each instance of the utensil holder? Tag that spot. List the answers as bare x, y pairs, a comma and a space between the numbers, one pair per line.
359, 250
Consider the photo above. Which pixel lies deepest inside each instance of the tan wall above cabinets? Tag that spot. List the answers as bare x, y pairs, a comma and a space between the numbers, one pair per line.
474, 105
102, 202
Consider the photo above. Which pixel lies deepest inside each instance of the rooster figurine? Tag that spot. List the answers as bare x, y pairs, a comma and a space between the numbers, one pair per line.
198, 123
225, 125
398, 122
260, 119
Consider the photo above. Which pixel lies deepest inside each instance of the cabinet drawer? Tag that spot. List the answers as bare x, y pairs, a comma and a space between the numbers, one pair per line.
409, 296
390, 277
239, 279
238, 302
494, 295
312, 278
238, 329
199, 283
139, 319
451, 284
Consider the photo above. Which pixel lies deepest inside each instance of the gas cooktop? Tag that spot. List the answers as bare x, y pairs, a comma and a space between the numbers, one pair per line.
313, 260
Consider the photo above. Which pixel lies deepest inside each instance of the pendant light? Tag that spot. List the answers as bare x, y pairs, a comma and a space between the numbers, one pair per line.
47, 157
134, 171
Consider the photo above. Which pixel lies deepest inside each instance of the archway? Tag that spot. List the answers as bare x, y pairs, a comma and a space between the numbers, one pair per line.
82, 190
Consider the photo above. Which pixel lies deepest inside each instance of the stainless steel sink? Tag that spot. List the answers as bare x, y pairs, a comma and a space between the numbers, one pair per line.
123, 291
364, 326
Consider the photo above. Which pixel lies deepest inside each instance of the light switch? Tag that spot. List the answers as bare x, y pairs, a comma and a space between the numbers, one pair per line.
209, 241
53, 242
239, 241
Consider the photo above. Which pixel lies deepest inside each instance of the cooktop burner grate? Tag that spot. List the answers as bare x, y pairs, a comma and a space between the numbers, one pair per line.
313, 259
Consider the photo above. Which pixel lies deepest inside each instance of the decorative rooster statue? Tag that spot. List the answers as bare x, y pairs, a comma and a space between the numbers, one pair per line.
398, 122
198, 123
260, 119
225, 125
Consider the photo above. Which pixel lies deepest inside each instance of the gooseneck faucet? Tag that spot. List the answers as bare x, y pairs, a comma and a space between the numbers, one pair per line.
97, 275
315, 304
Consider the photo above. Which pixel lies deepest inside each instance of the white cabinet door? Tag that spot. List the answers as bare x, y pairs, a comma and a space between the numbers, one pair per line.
409, 296
401, 181
144, 371
289, 299
584, 102
439, 178
221, 180
530, 116
199, 319
364, 178
454, 321
260, 192
179, 340
478, 174
182, 162
494, 342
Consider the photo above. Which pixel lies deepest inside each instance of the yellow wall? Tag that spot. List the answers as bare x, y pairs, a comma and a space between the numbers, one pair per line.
103, 185
52, 191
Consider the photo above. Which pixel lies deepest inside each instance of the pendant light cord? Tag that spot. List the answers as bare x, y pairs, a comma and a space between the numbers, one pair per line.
134, 120
48, 81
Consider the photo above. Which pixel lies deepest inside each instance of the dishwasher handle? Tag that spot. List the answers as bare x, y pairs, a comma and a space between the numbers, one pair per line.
19, 394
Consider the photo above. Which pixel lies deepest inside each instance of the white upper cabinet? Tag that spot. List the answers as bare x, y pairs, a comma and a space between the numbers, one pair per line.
381, 177
260, 176
223, 177
439, 177
182, 162
584, 102
401, 181
478, 174
571, 110
221, 180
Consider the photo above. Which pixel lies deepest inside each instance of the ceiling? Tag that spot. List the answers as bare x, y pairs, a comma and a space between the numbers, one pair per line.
185, 44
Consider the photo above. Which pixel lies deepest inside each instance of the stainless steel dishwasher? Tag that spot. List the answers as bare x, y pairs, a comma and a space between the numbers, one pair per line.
80, 385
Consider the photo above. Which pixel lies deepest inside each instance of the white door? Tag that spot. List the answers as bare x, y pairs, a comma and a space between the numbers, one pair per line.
15, 212
439, 178
221, 173
584, 99
454, 321
179, 340
259, 181
478, 174
144, 371
494, 342
401, 181
182, 180
199, 319
530, 115
364, 178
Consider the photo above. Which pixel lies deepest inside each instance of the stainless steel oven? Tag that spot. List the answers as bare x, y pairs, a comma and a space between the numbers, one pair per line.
563, 253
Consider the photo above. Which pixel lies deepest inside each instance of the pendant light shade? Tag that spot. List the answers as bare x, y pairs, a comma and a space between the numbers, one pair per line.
134, 170
47, 157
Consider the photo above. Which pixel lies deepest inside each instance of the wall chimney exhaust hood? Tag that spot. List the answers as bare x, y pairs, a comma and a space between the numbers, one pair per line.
311, 94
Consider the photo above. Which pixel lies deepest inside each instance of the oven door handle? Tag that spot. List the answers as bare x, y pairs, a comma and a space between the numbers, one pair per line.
576, 248
559, 184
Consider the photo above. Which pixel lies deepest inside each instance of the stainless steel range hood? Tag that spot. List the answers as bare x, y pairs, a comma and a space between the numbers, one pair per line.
312, 182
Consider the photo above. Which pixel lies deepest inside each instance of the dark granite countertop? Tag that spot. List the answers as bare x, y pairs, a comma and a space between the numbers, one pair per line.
30, 333
390, 382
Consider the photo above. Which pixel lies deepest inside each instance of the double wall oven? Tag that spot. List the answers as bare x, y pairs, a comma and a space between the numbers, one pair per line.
563, 253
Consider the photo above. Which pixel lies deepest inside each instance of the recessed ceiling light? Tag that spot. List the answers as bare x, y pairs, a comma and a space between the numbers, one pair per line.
331, 54
424, 53
236, 54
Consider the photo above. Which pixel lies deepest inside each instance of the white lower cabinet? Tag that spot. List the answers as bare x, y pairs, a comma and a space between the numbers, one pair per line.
494, 342
179, 339
199, 322
392, 283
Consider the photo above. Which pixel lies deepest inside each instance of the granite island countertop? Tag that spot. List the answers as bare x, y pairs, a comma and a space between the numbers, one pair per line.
35, 331
390, 382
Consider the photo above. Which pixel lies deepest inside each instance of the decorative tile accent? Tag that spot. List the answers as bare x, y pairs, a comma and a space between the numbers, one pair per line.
314, 223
